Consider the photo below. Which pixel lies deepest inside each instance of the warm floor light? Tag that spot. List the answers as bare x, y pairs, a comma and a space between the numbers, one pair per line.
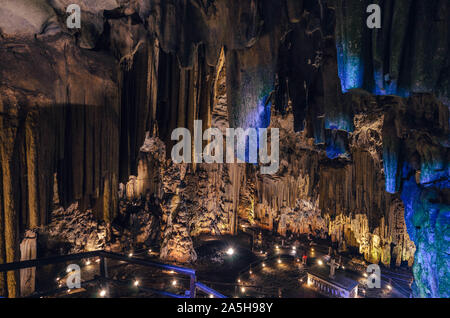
102, 293
88, 262
279, 261
250, 272
136, 283
243, 289
320, 262
174, 283
230, 251
389, 287
263, 265
211, 296
130, 255
365, 275
238, 280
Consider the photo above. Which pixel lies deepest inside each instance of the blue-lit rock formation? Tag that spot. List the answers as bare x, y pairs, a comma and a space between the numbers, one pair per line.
391, 154
307, 77
336, 143
251, 72
409, 54
351, 43
427, 213
249, 87
416, 164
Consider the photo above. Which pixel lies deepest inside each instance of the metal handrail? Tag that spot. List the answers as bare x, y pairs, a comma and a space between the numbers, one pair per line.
100, 253
46, 261
103, 255
209, 290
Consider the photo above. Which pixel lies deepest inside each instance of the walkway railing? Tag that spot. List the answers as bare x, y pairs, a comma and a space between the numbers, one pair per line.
103, 267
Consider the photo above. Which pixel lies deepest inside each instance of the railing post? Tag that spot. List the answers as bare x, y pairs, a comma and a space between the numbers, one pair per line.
193, 287
103, 267
104, 272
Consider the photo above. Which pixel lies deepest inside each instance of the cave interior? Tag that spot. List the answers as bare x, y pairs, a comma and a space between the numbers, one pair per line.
361, 115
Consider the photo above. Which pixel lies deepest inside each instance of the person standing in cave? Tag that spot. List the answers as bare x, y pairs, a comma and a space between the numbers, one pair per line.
304, 259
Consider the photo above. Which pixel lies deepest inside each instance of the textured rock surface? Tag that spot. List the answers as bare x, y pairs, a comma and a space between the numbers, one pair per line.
400, 58
25, 18
80, 229
305, 197
360, 168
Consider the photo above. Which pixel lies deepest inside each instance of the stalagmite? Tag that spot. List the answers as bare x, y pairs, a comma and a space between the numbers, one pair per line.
28, 251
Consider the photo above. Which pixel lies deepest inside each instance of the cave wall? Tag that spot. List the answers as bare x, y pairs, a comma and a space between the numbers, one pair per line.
408, 57
358, 167
69, 112
343, 199
401, 58
50, 124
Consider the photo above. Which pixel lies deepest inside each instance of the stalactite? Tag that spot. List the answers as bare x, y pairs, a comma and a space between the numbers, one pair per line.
32, 172
138, 85
184, 94
391, 155
7, 138
351, 40
400, 58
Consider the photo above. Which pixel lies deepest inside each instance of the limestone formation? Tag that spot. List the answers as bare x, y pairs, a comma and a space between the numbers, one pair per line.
86, 116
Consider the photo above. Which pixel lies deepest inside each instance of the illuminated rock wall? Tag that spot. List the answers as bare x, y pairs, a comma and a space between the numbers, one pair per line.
78, 104
49, 124
408, 55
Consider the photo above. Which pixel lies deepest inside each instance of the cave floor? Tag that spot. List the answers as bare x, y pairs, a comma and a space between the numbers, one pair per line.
273, 269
